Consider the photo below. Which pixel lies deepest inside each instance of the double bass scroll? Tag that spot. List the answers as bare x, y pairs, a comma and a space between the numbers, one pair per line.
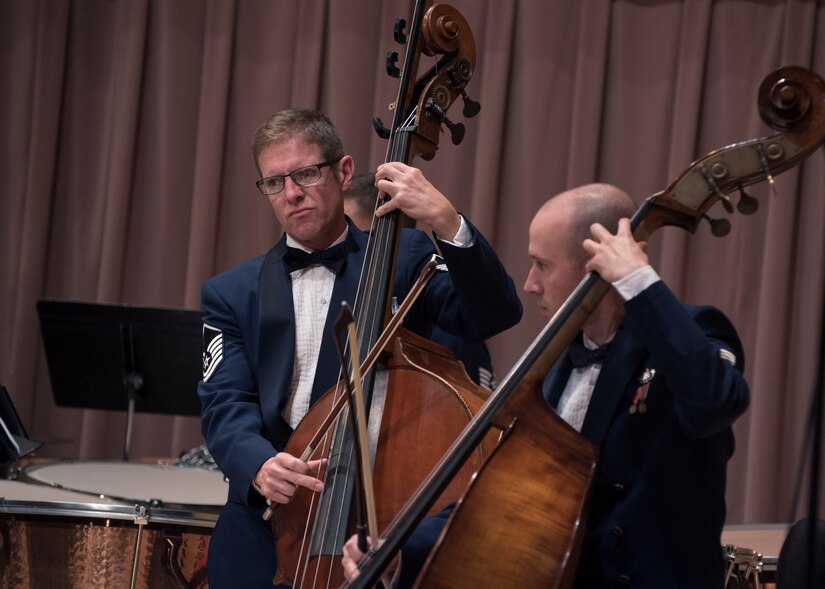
420, 109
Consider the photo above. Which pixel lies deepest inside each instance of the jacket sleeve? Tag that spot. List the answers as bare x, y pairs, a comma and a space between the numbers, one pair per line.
700, 357
231, 419
475, 298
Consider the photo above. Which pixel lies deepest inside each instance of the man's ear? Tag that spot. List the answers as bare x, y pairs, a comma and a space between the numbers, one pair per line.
346, 168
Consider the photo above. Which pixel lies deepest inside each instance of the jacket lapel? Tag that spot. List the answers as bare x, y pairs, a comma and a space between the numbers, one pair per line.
277, 339
556, 379
622, 363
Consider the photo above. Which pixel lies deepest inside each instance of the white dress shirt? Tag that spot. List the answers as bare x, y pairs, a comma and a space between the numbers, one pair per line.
311, 293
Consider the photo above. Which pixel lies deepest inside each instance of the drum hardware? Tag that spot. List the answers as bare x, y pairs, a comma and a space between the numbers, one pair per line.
172, 544
141, 519
744, 567
141, 515
756, 566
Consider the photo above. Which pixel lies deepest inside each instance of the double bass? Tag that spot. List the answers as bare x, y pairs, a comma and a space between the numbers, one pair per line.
510, 529
421, 398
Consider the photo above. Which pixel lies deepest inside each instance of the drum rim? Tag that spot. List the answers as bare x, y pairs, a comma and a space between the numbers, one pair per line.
125, 512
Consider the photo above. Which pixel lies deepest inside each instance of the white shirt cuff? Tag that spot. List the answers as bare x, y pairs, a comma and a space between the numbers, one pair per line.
636, 282
464, 237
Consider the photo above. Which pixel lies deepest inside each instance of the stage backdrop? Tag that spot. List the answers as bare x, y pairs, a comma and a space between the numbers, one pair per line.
126, 173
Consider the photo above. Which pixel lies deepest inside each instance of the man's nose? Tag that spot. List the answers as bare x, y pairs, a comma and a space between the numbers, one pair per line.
292, 189
531, 285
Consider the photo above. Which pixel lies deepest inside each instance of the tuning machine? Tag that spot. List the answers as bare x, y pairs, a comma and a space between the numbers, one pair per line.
379, 127
718, 227
747, 204
718, 171
398, 31
457, 130
458, 75
392, 69
471, 107
774, 152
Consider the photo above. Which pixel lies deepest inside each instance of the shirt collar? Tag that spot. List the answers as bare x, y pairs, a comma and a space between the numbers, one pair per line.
291, 242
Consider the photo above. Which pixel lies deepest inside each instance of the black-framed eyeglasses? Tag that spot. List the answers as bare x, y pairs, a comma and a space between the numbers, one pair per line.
302, 176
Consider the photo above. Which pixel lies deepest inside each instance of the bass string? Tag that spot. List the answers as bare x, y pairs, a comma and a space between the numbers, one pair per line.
303, 563
379, 250
365, 324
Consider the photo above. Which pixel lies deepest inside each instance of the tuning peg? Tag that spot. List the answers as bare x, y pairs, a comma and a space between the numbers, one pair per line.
726, 203
398, 31
457, 130
719, 227
471, 107
747, 204
392, 69
717, 172
379, 127
774, 153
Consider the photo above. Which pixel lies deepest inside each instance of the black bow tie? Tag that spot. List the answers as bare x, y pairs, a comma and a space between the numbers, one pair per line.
333, 258
582, 357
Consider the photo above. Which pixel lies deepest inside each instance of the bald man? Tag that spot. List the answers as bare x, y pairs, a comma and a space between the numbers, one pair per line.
654, 384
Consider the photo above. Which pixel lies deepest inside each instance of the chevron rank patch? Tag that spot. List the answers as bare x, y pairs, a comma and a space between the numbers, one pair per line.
212, 350
485, 378
727, 355
440, 264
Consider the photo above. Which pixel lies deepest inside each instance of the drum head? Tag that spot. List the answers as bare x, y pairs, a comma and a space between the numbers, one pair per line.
156, 484
15, 491
17, 497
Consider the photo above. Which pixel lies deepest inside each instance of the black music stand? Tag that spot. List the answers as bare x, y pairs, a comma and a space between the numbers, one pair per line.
122, 358
14, 440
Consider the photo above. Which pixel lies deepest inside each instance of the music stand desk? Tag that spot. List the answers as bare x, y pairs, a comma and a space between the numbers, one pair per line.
122, 358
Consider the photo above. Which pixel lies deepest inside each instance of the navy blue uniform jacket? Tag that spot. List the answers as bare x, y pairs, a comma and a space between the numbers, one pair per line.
658, 504
659, 498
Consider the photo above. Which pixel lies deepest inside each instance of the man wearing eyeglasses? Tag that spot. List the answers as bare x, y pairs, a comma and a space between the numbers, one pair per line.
268, 348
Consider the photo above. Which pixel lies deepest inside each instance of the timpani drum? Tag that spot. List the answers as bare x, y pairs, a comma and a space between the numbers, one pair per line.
102, 524
751, 555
